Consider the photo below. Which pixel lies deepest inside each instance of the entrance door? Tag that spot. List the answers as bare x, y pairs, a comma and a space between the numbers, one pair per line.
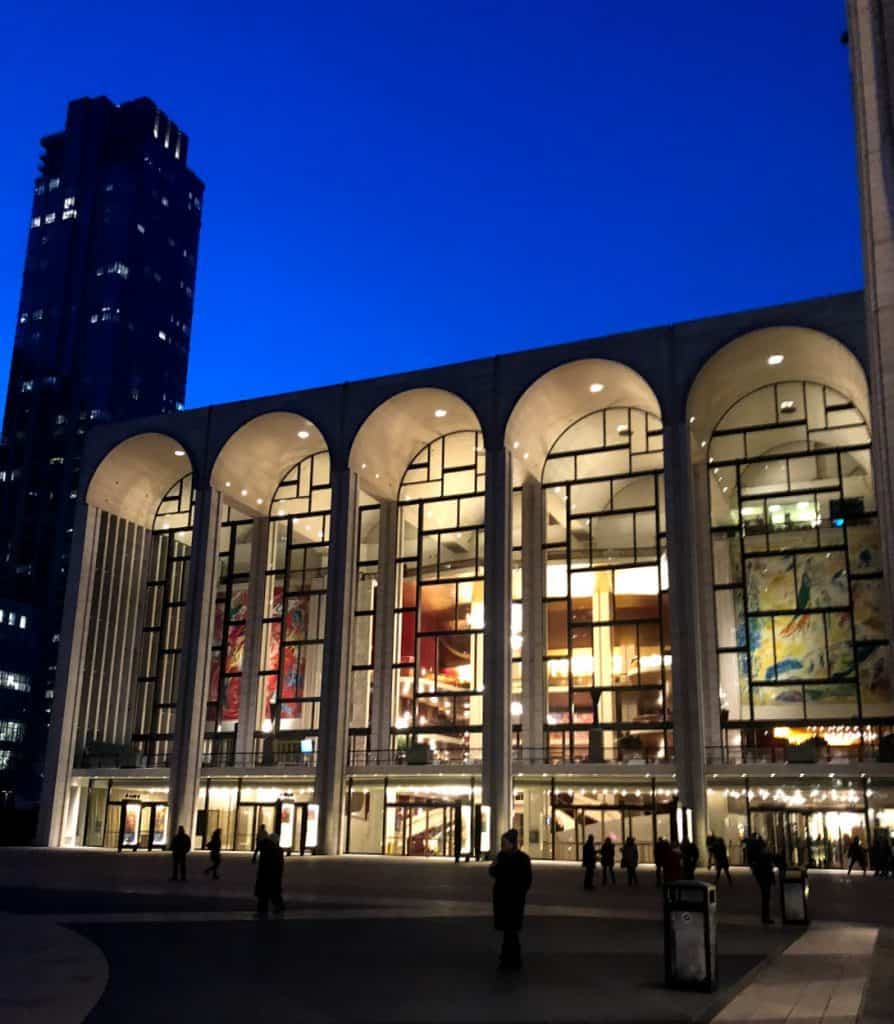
424, 830
249, 818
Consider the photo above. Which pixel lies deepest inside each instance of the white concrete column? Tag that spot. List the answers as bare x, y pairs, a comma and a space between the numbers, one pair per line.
383, 641
195, 662
534, 691
332, 743
870, 31
681, 520
705, 613
254, 630
497, 766
69, 675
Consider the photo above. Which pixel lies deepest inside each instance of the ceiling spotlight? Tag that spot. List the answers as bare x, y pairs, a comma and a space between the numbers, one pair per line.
440, 413
774, 360
179, 452
515, 444
525, 455
704, 444
596, 388
259, 501
787, 406
623, 428
363, 466
227, 484
692, 419
243, 492
303, 434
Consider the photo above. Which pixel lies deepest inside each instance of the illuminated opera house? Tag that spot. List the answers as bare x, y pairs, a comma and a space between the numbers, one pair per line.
629, 585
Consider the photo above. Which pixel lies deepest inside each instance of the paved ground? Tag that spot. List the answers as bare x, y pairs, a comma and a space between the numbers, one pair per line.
372, 939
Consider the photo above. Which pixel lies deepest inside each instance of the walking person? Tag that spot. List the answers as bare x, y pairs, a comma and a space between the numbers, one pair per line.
630, 860
721, 860
589, 861
662, 849
762, 868
689, 857
511, 872
214, 846
259, 838
856, 855
268, 885
180, 847
607, 857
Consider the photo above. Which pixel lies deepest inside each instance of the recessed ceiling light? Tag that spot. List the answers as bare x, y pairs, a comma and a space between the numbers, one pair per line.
440, 413
260, 501
303, 434
725, 489
179, 452
623, 428
692, 419
775, 360
515, 444
787, 406
704, 444
363, 466
525, 455
243, 492
596, 388
227, 484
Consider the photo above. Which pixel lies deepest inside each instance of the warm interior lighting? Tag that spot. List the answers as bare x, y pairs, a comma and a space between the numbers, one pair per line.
440, 413
303, 434
179, 452
596, 388
775, 360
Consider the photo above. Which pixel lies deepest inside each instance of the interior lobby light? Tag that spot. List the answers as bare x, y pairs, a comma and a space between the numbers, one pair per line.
440, 413
179, 452
260, 501
227, 484
596, 388
774, 360
691, 419
303, 434
243, 492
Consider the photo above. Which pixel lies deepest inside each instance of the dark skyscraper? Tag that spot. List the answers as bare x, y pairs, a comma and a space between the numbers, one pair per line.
103, 333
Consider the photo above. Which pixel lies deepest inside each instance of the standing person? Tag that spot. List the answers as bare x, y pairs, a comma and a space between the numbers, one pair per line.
754, 846
721, 860
268, 885
214, 846
856, 855
689, 856
511, 872
662, 848
180, 847
762, 868
607, 857
589, 862
259, 838
885, 855
630, 860
709, 846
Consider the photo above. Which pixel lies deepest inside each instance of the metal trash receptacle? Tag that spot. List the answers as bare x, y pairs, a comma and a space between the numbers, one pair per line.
690, 935
793, 892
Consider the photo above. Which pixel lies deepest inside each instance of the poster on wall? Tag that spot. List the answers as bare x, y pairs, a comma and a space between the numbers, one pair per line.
131, 834
287, 825
160, 828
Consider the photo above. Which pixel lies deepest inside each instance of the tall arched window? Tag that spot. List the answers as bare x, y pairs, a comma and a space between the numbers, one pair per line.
802, 654
607, 659
295, 600
439, 627
163, 621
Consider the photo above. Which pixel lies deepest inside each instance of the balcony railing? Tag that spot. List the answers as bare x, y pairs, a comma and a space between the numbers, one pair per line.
553, 756
418, 757
796, 755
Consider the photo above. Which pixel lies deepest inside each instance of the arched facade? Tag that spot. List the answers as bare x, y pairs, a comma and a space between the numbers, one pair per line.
569, 590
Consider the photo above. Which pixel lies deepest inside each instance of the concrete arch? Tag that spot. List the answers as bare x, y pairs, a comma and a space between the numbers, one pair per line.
251, 463
742, 367
136, 474
398, 429
560, 398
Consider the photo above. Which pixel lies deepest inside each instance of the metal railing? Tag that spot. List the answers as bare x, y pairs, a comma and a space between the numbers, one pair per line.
552, 756
866, 751
412, 758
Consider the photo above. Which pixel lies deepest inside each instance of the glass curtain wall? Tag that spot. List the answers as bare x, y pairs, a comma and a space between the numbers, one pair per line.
230, 618
607, 661
295, 604
364, 625
803, 661
516, 637
439, 598
163, 615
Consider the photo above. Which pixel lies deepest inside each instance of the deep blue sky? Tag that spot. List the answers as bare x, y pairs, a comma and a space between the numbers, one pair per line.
394, 185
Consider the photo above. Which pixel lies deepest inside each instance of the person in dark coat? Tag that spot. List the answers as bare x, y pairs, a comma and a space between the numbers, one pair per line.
689, 857
589, 862
662, 849
762, 869
180, 847
259, 838
214, 845
630, 860
754, 846
268, 885
511, 872
721, 860
607, 857
856, 854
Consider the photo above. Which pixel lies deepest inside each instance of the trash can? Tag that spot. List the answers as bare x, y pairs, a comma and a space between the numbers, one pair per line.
690, 935
793, 891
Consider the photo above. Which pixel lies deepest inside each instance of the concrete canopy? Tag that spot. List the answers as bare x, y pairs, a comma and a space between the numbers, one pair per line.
742, 367
395, 432
254, 459
136, 474
560, 398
